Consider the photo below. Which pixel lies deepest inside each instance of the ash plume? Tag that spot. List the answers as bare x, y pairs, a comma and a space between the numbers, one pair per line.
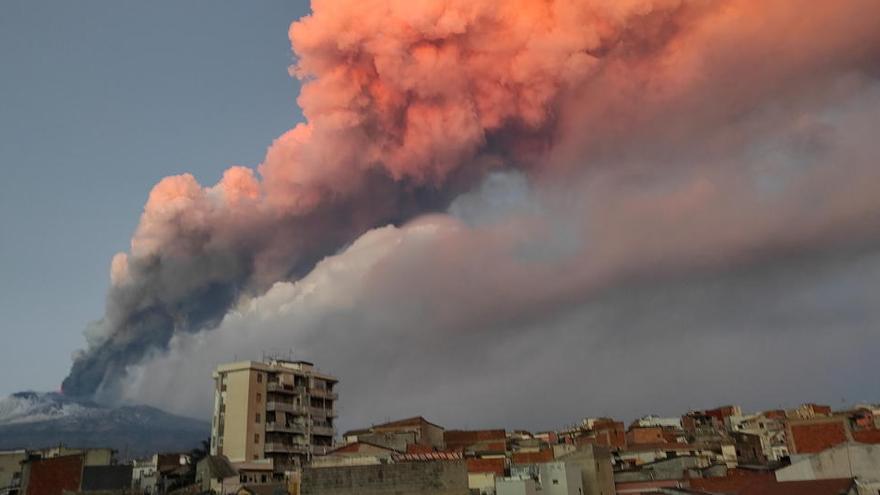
410, 104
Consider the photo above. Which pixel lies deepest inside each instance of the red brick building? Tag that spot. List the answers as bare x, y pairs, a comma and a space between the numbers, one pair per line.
767, 485
545, 455
645, 434
52, 476
494, 465
476, 440
809, 436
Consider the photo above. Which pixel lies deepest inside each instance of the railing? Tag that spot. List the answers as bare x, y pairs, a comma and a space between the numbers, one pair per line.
282, 428
285, 407
320, 449
320, 412
324, 393
323, 430
286, 448
285, 389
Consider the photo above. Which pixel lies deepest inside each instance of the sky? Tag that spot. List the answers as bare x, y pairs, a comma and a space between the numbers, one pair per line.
513, 214
98, 101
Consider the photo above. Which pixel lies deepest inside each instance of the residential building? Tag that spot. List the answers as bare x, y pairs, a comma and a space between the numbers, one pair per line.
400, 435
354, 454
52, 476
652, 420
749, 448
515, 485
817, 433
215, 474
153, 475
767, 485
599, 431
283, 411
560, 478
418, 474
10, 468
647, 434
418, 429
874, 409
92, 456
708, 425
808, 411
848, 460
770, 427
483, 472
597, 475
476, 441
106, 479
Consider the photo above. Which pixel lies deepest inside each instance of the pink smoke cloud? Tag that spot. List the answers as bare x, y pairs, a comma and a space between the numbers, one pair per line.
410, 103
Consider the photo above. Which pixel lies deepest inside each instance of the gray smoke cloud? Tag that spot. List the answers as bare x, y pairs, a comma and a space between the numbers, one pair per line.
622, 290
676, 160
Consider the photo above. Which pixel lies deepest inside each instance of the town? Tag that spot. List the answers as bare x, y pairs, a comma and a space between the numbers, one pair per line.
273, 433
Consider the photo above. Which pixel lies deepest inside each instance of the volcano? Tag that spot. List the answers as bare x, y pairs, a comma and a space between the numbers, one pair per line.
32, 420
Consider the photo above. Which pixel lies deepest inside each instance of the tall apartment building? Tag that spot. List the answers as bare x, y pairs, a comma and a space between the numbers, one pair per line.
279, 410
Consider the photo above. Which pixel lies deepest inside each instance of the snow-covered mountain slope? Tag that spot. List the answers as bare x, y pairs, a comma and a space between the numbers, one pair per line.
35, 420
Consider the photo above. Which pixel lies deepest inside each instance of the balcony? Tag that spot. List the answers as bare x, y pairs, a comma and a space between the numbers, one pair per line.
285, 389
323, 430
283, 428
320, 449
282, 448
285, 407
323, 393
320, 412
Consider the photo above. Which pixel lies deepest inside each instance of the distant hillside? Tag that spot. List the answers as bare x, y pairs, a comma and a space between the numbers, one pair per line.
36, 420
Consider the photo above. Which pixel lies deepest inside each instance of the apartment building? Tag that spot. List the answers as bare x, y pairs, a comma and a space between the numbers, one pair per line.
279, 411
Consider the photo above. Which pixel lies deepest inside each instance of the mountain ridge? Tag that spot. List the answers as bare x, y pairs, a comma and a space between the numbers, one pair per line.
34, 420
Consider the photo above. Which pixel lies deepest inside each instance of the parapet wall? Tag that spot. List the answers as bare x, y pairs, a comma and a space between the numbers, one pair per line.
407, 478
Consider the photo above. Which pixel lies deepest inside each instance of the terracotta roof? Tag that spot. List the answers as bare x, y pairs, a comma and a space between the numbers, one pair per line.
774, 414
532, 457
485, 439
218, 467
812, 437
477, 465
415, 448
362, 431
641, 447
767, 485
414, 421
474, 436
867, 436
433, 456
354, 448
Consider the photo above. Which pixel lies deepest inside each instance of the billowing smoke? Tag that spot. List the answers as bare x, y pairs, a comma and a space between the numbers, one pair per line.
660, 136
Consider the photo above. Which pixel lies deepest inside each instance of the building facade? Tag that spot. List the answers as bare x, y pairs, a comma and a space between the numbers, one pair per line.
283, 411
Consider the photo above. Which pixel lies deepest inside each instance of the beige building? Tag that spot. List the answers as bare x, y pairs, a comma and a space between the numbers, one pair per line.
282, 411
10, 468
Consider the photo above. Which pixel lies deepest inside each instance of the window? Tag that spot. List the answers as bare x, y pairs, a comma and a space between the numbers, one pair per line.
555, 482
259, 397
258, 418
256, 438
259, 378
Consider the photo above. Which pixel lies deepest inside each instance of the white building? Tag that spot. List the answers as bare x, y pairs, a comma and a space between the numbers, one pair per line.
848, 460
516, 486
560, 478
657, 421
